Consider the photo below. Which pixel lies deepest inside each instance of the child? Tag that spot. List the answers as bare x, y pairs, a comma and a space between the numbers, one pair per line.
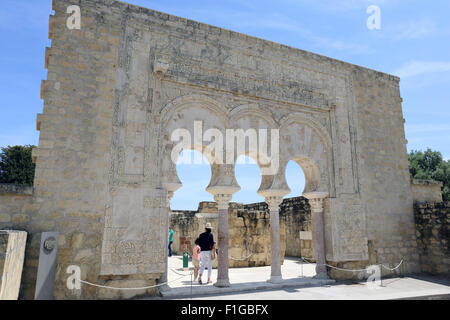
196, 258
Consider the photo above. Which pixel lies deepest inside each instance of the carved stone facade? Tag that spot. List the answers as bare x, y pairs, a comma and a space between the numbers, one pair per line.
119, 87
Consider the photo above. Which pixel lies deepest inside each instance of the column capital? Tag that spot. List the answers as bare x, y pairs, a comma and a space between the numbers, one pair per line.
222, 194
316, 200
222, 199
273, 197
273, 202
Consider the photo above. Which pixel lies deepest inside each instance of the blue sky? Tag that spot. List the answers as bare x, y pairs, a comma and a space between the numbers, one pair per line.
413, 43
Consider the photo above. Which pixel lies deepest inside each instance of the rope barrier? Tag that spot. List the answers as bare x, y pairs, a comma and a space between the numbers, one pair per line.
190, 274
139, 288
349, 270
352, 270
242, 259
394, 267
181, 274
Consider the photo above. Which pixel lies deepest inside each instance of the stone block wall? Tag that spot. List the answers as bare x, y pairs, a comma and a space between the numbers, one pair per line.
426, 190
15, 206
433, 236
18, 212
73, 154
296, 214
248, 233
384, 181
187, 225
249, 239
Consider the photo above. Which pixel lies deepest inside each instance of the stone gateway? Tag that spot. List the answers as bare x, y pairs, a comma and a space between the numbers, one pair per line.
121, 84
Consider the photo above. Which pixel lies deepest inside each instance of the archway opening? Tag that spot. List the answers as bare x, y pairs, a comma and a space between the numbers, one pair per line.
194, 172
296, 213
186, 208
248, 176
295, 179
249, 225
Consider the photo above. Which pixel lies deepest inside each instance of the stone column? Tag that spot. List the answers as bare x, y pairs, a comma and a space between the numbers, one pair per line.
275, 249
223, 201
223, 187
316, 200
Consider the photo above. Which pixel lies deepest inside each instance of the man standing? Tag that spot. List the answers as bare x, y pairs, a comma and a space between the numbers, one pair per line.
206, 243
170, 240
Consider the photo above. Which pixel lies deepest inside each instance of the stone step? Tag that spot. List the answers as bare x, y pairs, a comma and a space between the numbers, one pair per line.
200, 290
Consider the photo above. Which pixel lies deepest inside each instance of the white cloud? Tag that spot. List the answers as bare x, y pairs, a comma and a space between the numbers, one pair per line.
413, 30
284, 23
339, 6
417, 68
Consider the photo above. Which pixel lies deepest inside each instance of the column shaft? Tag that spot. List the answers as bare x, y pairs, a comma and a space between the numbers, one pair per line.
319, 242
275, 251
222, 257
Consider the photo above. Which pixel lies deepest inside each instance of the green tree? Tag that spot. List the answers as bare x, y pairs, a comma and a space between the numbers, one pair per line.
16, 165
430, 165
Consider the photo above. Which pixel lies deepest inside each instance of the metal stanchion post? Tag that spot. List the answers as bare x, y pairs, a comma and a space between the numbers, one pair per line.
381, 275
302, 267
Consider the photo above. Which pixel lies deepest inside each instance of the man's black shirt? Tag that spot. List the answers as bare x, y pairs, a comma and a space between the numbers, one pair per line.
206, 241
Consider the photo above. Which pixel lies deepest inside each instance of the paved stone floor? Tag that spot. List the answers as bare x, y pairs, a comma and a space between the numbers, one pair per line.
250, 284
291, 269
241, 279
420, 287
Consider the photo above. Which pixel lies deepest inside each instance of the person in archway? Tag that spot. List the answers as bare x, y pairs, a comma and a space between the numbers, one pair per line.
206, 243
196, 258
170, 240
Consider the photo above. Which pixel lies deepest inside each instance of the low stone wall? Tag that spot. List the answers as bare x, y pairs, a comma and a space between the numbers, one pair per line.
426, 190
249, 239
16, 210
187, 226
248, 230
296, 214
433, 236
15, 206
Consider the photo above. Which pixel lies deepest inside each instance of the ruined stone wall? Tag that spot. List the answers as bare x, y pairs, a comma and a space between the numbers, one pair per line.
296, 214
72, 158
187, 227
16, 206
426, 190
248, 232
249, 242
16, 213
433, 236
